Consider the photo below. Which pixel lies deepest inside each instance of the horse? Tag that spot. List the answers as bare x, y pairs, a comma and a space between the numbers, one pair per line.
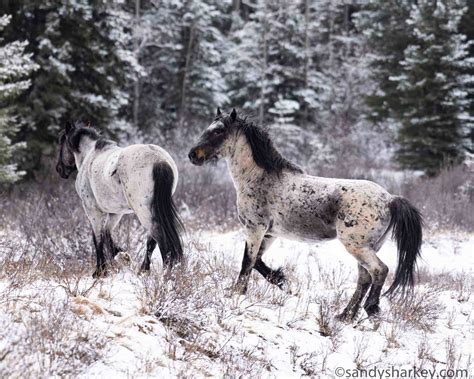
275, 198
112, 181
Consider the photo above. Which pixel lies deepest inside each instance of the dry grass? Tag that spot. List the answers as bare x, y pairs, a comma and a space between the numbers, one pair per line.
52, 244
360, 354
190, 302
329, 306
44, 338
420, 310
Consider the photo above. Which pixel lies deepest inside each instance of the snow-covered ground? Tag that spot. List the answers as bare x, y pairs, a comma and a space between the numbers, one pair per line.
129, 325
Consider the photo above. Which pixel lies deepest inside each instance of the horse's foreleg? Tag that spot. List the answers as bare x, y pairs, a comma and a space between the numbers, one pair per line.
273, 276
98, 221
111, 224
252, 248
363, 283
100, 269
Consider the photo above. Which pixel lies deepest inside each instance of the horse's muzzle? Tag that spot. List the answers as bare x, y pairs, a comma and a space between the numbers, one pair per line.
63, 171
197, 156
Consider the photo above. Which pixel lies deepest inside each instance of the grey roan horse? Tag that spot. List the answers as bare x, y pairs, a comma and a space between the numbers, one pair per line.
276, 199
112, 181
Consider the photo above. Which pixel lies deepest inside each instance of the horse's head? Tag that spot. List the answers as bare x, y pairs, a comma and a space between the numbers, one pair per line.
66, 163
214, 141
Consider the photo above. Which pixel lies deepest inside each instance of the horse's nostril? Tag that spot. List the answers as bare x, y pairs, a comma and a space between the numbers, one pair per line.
192, 155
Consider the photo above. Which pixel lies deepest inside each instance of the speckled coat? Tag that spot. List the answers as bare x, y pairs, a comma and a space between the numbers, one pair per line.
288, 203
112, 181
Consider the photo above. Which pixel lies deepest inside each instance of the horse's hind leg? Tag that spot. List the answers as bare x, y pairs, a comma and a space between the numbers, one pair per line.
363, 283
154, 238
273, 276
150, 246
377, 270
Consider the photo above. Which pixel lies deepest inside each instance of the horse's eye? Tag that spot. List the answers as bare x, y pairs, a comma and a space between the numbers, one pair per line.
218, 131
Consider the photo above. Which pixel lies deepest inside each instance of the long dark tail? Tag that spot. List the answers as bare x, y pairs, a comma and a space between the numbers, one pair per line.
407, 223
166, 220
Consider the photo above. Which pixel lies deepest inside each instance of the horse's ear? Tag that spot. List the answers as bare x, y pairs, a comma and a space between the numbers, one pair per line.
219, 113
233, 114
69, 126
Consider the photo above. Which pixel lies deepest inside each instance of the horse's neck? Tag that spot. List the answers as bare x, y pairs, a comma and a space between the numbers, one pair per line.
86, 146
242, 166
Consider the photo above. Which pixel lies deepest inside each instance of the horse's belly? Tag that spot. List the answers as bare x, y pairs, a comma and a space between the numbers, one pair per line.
308, 232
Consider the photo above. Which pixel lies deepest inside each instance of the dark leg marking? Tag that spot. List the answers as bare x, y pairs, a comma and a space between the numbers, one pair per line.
165, 253
101, 269
115, 249
105, 248
242, 281
363, 283
150, 246
371, 305
110, 245
276, 277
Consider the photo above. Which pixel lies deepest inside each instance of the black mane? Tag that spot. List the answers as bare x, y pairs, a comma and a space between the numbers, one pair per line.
81, 131
264, 151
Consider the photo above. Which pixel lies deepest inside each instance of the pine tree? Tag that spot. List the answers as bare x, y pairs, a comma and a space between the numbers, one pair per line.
466, 27
182, 48
341, 49
389, 34
433, 87
83, 69
15, 67
272, 69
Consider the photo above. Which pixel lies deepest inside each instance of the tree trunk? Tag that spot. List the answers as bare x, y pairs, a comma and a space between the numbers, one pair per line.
185, 73
264, 65
136, 85
236, 5
306, 58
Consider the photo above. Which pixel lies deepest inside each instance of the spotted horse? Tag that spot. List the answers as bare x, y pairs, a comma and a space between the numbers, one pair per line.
275, 198
112, 181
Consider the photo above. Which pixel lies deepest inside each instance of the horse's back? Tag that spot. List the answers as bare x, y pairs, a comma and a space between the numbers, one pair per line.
317, 208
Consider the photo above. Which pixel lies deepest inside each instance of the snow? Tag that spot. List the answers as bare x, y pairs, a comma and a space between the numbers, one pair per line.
266, 333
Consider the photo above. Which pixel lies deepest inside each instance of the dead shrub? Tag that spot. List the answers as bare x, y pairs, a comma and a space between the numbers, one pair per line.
329, 326
45, 339
446, 201
333, 278
420, 309
360, 357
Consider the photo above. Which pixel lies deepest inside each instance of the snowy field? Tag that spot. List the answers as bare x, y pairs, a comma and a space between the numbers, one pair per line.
129, 325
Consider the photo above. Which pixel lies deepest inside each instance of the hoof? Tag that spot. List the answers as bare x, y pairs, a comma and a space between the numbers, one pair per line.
144, 269
347, 316
278, 278
372, 311
285, 287
123, 258
117, 250
240, 288
99, 273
